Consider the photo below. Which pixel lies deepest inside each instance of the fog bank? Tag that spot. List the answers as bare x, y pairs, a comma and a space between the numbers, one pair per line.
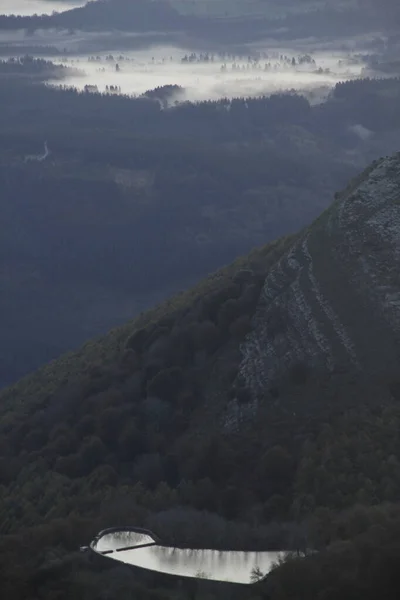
210, 76
40, 7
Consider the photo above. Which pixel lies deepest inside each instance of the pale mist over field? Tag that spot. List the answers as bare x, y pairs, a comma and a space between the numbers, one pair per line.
132, 64
210, 76
40, 7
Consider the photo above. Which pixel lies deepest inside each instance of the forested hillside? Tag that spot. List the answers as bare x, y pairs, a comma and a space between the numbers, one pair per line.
136, 200
161, 423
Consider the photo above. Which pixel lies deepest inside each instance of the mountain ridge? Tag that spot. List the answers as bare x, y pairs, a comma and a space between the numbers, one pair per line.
355, 240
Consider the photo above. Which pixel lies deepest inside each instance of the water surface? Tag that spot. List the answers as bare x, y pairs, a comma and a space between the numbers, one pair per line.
122, 539
228, 566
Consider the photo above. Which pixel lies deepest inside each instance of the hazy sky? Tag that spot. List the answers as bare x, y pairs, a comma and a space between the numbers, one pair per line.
30, 7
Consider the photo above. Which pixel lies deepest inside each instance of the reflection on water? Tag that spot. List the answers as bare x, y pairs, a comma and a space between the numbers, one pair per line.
232, 566
40, 7
122, 539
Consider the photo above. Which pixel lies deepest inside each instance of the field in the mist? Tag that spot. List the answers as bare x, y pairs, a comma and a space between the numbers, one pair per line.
151, 59
31, 7
208, 75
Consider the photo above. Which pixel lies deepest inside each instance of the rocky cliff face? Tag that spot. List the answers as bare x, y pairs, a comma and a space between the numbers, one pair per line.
333, 301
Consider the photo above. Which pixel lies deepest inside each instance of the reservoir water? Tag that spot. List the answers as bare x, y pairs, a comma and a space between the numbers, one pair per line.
228, 566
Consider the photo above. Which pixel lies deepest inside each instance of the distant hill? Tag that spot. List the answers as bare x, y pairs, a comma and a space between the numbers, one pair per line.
137, 15
223, 23
268, 394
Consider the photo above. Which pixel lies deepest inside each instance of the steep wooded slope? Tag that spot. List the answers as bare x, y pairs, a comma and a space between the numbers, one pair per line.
268, 394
